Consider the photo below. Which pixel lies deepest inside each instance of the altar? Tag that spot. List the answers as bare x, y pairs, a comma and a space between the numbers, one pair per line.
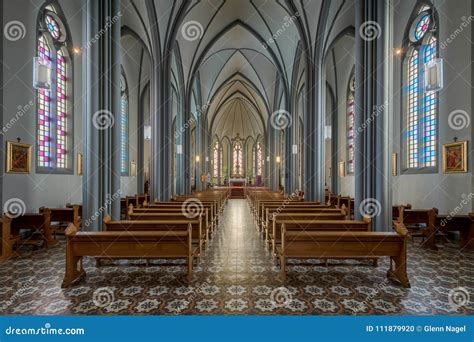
237, 187
238, 182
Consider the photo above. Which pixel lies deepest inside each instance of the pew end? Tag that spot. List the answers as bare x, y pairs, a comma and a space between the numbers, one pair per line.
71, 230
107, 219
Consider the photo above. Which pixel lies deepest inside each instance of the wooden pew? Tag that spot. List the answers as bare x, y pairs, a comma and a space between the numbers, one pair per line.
304, 244
38, 224
415, 218
464, 224
61, 217
200, 232
160, 243
315, 222
396, 209
8, 241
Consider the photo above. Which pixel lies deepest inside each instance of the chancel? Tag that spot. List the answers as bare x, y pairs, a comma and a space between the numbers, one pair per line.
235, 157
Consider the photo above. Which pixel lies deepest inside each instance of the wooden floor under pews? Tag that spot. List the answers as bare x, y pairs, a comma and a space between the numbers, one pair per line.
236, 270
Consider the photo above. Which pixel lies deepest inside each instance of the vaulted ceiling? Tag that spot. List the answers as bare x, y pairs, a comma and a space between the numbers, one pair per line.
241, 54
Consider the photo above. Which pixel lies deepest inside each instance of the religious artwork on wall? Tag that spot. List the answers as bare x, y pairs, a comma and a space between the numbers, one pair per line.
455, 157
79, 164
18, 157
342, 169
133, 169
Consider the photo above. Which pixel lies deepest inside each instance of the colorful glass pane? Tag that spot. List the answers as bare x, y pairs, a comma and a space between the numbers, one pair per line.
350, 131
61, 112
412, 119
259, 159
421, 27
124, 134
44, 112
429, 113
237, 158
216, 160
53, 27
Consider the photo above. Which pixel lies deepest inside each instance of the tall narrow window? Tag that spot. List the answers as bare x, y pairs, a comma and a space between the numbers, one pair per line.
124, 127
53, 142
216, 160
237, 157
258, 158
421, 117
350, 124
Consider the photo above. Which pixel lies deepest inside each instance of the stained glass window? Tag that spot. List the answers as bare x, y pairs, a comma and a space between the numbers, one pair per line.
237, 158
52, 110
216, 159
258, 159
350, 125
124, 128
422, 106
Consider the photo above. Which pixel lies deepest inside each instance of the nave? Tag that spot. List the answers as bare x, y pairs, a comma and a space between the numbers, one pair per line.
235, 276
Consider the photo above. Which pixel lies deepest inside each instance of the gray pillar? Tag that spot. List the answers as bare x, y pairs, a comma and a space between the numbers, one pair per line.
371, 145
179, 149
101, 80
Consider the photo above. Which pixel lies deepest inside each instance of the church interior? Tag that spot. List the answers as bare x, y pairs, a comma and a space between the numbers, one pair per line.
237, 157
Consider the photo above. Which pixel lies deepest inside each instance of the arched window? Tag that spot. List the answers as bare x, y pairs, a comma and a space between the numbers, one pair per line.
237, 157
216, 159
350, 124
54, 116
258, 158
421, 107
124, 127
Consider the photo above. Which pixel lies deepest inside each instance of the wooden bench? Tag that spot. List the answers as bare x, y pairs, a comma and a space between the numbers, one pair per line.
304, 244
8, 241
315, 222
152, 225
161, 243
39, 225
464, 224
61, 217
422, 223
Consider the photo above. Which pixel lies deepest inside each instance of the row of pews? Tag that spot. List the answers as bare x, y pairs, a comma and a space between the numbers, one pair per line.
295, 228
178, 229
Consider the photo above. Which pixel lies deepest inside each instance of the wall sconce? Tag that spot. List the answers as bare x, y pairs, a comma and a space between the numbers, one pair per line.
147, 132
198, 159
278, 159
397, 51
76, 51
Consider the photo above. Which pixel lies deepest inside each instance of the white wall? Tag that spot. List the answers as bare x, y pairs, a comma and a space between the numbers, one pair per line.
37, 189
443, 191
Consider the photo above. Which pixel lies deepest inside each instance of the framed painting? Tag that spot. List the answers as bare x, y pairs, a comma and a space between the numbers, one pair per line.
455, 157
133, 169
79, 164
18, 157
342, 169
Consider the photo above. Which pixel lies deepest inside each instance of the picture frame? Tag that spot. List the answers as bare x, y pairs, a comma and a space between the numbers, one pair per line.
394, 164
79, 164
18, 157
133, 169
455, 157
342, 169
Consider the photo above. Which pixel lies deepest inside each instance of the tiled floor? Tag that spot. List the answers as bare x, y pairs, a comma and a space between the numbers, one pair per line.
236, 276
